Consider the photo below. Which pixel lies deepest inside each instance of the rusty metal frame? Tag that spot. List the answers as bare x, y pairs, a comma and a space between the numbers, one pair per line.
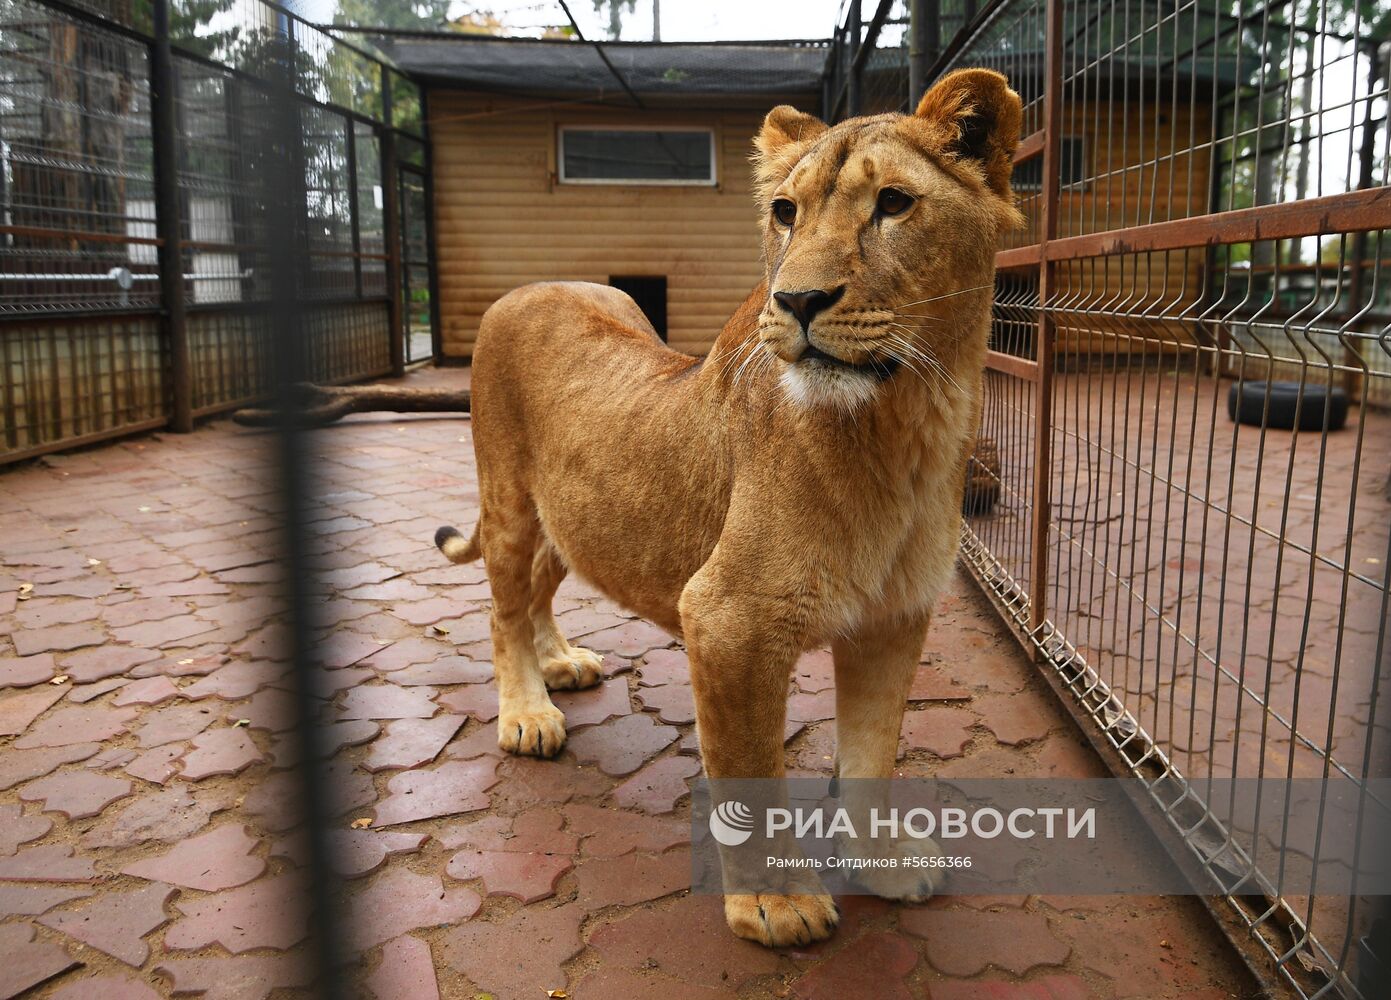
1032, 595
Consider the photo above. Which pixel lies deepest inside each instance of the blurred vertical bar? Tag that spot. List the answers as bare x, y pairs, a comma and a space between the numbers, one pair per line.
282, 160
1043, 404
168, 221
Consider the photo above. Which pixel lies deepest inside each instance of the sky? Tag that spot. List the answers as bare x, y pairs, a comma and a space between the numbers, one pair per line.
682, 20
694, 20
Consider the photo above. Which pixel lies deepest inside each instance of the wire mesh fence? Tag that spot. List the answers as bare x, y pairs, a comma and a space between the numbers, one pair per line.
1188, 400
83, 228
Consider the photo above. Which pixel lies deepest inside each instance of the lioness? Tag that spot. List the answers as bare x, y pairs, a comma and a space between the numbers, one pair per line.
799, 486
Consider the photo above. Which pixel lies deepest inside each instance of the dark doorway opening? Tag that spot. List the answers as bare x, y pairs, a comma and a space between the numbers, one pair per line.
650, 293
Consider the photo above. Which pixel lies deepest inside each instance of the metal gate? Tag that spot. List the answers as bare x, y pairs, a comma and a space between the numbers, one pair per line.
1206, 191
418, 300
133, 277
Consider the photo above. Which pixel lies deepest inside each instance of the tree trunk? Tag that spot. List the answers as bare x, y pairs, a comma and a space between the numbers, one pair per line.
320, 405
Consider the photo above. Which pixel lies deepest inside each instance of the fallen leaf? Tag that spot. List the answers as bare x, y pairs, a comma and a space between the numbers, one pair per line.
185, 661
93, 562
143, 510
241, 722
361, 823
561, 994
60, 679
439, 630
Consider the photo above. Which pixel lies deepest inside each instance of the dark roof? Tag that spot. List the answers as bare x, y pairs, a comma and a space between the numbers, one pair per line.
758, 71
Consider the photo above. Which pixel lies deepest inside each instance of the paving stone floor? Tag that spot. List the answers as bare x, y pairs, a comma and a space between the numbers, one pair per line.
149, 816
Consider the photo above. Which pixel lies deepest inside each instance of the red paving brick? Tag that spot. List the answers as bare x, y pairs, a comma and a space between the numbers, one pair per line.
219, 859
116, 922
21, 708
16, 829
528, 876
23, 671
658, 786
398, 901
409, 743
494, 874
21, 900
269, 913
76, 794
247, 977
47, 863
880, 961
520, 957
104, 985
28, 961
406, 972
167, 815
76, 725
621, 746
966, 942
452, 788
219, 751
21, 765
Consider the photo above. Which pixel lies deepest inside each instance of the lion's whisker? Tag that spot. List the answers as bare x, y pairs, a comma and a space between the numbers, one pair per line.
945, 295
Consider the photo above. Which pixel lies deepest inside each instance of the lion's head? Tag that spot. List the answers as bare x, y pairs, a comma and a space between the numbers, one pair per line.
880, 236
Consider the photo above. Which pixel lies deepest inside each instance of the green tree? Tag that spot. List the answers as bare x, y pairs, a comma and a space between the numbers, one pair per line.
615, 8
410, 15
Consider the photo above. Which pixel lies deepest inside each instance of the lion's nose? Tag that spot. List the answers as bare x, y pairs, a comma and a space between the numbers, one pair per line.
805, 305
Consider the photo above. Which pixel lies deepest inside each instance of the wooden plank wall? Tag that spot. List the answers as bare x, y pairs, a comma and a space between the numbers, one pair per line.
1141, 167
503, 220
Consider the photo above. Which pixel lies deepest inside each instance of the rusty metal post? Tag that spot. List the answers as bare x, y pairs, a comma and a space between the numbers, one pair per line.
391, 232
168, 224
1366, 179
1048, 230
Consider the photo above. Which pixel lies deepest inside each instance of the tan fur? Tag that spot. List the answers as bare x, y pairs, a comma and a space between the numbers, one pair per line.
756, 503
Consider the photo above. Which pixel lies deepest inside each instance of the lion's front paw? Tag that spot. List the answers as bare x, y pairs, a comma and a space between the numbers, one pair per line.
580, 668
539, 733
781, 921
910, 878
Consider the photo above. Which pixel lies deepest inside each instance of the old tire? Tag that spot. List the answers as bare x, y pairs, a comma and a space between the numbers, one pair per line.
1247, 404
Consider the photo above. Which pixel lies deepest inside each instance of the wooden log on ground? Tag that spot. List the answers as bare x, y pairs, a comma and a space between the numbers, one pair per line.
319, 405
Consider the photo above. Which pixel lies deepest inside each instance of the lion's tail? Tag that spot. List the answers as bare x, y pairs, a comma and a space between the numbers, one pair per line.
455, 549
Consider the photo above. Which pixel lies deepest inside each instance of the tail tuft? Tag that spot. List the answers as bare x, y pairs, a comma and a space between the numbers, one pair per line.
455, 548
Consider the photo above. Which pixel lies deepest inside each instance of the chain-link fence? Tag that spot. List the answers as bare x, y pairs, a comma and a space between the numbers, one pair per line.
133, 157
1186, 414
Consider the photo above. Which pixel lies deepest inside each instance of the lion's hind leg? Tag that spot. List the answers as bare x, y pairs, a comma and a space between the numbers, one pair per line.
564, 666
527, 721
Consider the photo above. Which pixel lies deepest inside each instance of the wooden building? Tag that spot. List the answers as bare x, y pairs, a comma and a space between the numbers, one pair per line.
545, 168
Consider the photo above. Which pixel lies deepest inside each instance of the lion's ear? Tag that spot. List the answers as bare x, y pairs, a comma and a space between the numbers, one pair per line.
785, 135
974, 115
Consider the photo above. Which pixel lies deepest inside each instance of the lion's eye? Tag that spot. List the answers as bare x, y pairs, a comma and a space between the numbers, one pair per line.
784, 211
892, 201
